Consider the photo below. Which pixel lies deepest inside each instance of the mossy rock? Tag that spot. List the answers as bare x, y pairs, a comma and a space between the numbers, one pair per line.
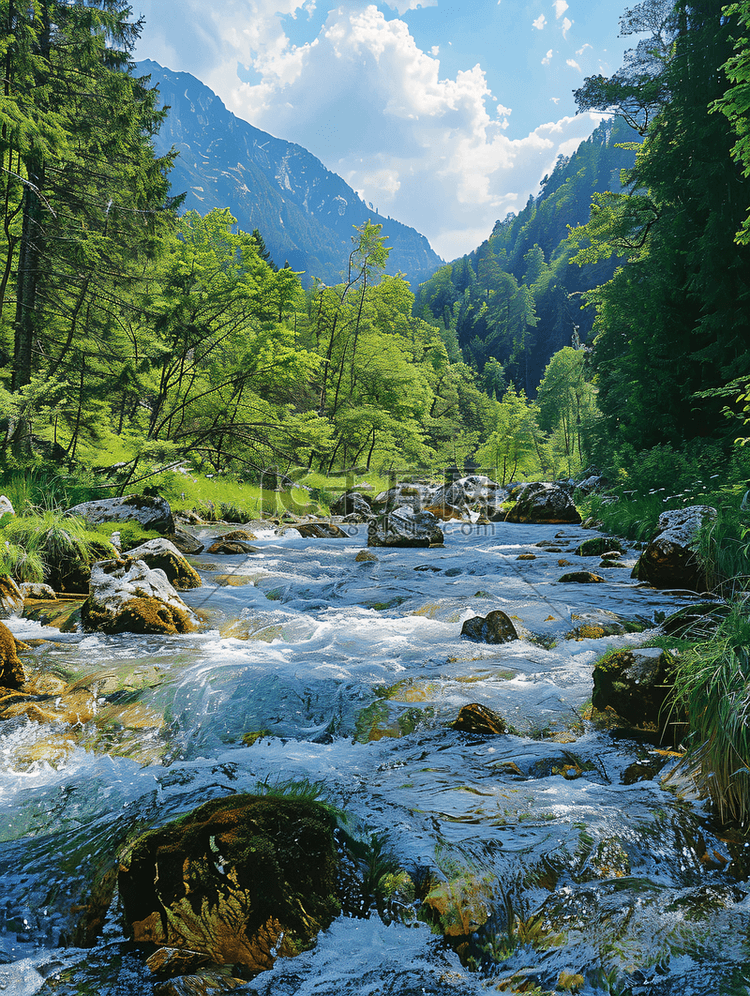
476, 718
244, 880
581, 577
138, 615
599, 545
11, 669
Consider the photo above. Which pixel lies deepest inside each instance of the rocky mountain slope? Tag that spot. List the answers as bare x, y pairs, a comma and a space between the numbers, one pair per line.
304, 212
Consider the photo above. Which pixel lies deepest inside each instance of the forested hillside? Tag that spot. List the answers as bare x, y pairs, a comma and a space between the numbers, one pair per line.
514, 301
132, 332
305, 212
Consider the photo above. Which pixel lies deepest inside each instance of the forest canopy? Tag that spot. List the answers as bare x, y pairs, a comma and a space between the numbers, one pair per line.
608, 317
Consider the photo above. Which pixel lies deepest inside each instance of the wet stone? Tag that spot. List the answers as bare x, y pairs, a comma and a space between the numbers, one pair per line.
476, 718
495, 627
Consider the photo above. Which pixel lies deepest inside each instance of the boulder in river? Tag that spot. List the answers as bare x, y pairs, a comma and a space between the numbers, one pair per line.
495, 627
127, 596
11, 597
352, 503
161, 553
405, 527
11, 669
581, 577
243, 880
542, 503
670, 559
476, 718
319, 530
637, 684
150, 511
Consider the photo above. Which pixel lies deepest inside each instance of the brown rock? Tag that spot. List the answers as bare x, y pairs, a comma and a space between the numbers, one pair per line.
230, 548
11, 669
11, 598
319, 530
581, 577
476, 718
243, 880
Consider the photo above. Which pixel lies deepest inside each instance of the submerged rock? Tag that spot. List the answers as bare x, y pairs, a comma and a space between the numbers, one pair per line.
495, 627
243, 880
150, 511
670, 560
126, 596
405, 527
230, 548
476, 718
542, 503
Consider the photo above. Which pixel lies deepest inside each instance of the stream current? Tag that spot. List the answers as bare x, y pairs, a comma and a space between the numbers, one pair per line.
576, 875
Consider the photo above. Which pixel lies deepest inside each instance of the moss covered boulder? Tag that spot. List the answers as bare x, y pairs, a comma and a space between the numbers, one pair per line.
637, 685
127, 596
11, 670
164, 555
243, 880
150, 511
542, 503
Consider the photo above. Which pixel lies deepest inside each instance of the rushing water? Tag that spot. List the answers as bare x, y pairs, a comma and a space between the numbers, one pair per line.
352, 670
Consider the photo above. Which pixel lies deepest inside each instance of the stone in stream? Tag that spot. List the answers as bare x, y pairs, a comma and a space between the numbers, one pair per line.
230, 548
163, 554
127, 596
243, 880
405, 527
495, 627
476, 718
11, 598
541, 503
150, 511
581, 577
319, 530
670, 559
597, 546
637, 685
12, 674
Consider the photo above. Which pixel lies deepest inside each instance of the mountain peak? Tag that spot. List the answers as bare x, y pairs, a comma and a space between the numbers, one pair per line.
305, 213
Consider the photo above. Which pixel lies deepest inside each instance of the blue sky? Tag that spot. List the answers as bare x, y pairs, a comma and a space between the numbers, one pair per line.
443, 115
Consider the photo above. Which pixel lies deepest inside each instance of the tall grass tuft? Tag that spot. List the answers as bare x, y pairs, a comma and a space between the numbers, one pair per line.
20, 564
712, 683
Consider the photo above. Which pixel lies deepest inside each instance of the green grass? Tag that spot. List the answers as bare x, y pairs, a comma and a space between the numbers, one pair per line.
712, 683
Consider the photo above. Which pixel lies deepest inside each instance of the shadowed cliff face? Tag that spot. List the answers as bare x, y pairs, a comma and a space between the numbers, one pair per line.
304, 212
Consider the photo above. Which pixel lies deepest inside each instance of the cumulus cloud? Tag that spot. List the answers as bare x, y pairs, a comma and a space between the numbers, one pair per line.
566, 26
560, 7
548, 58
431, 150
574, 65
540, 22
580, 51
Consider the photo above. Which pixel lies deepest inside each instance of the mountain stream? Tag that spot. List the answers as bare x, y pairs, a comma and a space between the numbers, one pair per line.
578, 857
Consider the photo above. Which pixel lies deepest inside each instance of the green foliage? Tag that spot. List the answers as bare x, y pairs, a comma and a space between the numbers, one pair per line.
55, 539
672, 324
20, 564
712, 683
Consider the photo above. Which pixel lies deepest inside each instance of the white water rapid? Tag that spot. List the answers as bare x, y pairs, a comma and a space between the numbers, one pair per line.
351, 670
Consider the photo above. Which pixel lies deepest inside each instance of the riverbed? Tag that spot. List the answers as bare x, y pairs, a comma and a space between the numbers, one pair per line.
581, 856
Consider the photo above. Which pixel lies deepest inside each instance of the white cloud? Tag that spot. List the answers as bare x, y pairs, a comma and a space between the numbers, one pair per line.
548, 58
425, 148
574, 65
540, 22
555, 100
403, 5
580, 51
560, 7
567, 24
